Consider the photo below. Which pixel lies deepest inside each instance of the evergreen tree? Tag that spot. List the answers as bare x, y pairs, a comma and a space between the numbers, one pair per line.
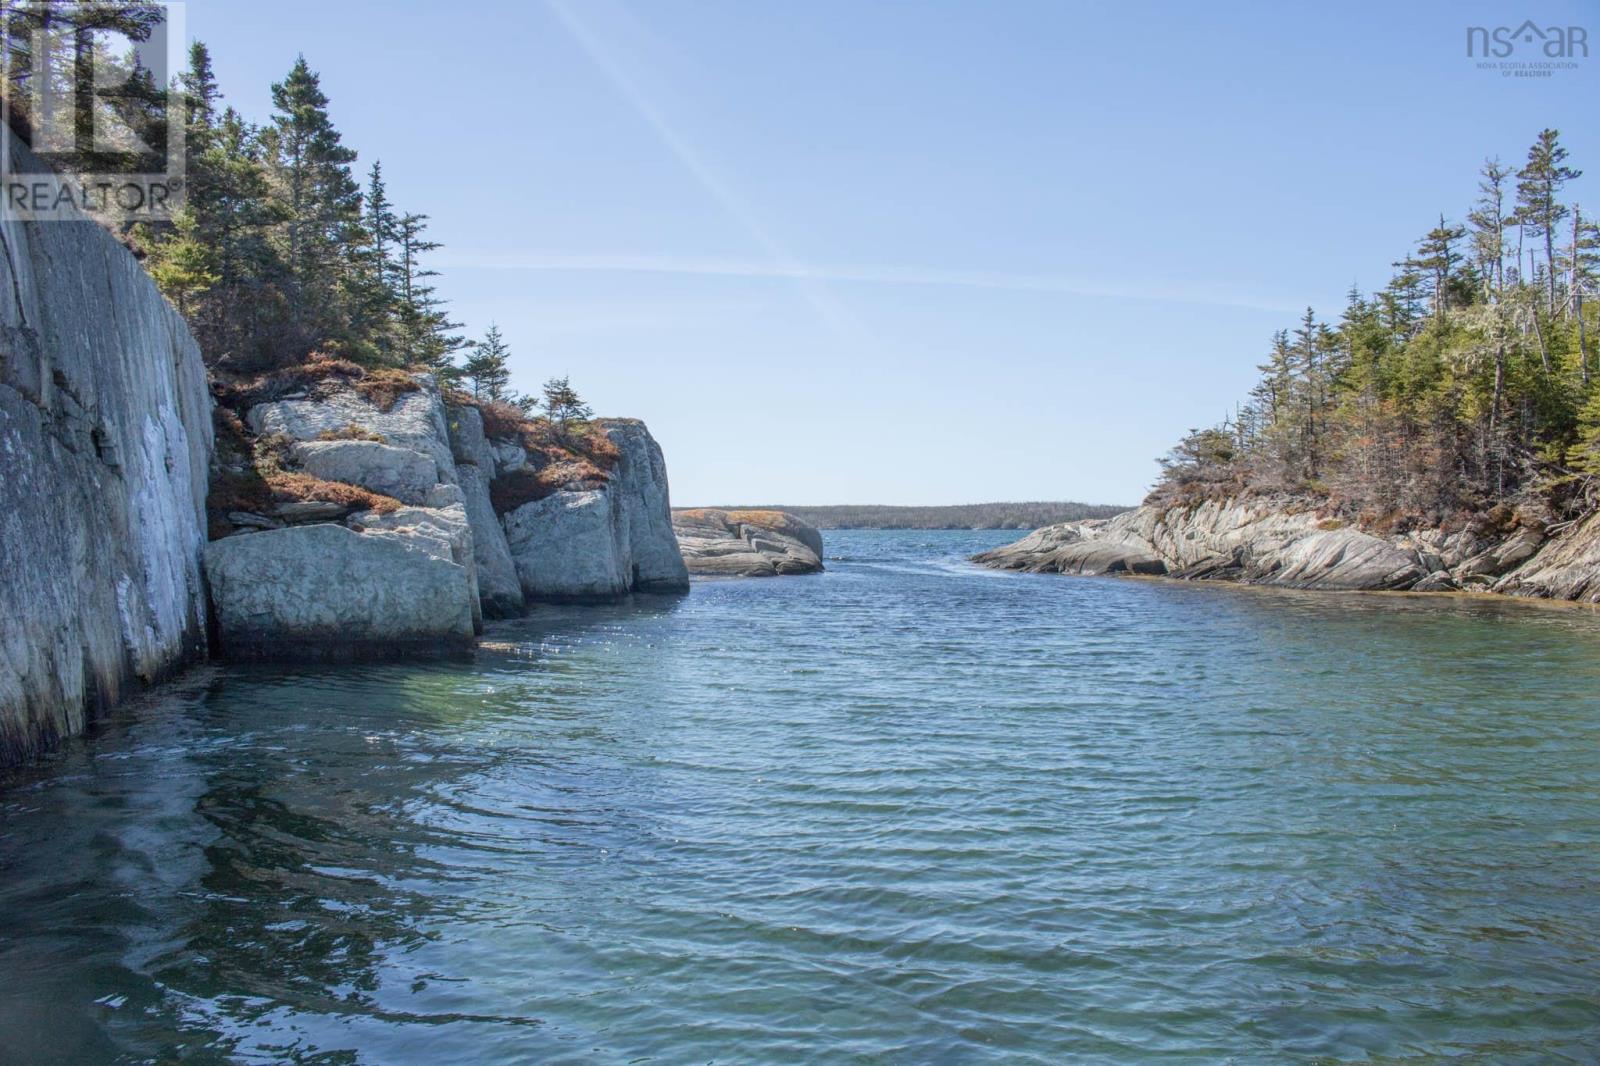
487, 368
1488, 221
311, 171
562, 405
428, 334
1538, 208
1437, 259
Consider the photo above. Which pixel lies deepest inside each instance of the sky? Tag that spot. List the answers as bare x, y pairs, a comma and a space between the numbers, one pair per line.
885, 251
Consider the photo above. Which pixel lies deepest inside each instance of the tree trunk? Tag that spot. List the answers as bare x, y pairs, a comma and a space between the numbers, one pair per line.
1538, 331
1550, 251
1576, 293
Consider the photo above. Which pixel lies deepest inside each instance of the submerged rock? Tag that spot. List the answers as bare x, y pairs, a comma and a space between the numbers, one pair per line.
746, 543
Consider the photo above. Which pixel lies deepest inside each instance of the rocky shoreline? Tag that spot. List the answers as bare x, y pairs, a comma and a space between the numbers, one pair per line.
458, 523
760, 543
150, 517
1287, 543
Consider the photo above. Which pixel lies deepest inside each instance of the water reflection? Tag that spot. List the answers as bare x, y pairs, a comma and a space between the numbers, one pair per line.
902, 811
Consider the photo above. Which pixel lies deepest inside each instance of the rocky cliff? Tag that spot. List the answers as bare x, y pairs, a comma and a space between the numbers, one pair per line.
387, 521
105, 440
597, 539
746, 543
1284, 542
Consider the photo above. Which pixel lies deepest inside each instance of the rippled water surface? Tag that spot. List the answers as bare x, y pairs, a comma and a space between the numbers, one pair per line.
908, 811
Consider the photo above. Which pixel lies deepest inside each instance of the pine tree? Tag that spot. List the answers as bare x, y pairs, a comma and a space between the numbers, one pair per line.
1437, 260
311, 170
184, 266
1538, 207
562, 405
487, 368
1488, 220
426, 330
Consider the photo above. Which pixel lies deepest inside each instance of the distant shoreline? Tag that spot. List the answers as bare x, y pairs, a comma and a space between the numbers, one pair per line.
1016, 516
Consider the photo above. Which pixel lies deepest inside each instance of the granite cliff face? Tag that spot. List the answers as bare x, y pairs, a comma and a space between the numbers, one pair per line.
105, 443
718, 543
1283, 542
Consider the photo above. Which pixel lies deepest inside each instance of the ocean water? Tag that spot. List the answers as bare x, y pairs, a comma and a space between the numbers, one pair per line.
908, 811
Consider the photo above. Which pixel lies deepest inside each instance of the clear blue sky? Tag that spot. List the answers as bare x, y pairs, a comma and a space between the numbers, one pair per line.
910, 252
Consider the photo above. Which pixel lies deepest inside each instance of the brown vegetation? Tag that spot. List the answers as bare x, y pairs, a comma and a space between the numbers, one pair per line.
352, 432
314, 379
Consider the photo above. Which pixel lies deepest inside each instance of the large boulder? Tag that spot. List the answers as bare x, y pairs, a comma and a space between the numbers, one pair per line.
105, 444
416, 450
404, 473
328, 592
444, 524
566, 547
746, 543
598, 542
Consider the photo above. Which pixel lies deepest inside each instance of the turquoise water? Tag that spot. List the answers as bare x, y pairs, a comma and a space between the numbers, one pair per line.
905, 812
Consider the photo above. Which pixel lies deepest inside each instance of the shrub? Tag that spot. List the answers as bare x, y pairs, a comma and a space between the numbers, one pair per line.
314, 378
352, 432
383, 387
528, 484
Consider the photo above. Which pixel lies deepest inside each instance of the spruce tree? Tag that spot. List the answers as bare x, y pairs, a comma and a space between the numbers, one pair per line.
487, 368
311, 169
562, 405
1488, 221
1539, 208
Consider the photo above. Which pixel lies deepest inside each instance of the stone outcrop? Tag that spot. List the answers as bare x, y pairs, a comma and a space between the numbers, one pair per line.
596, 542
1566, 567
105, 442
476, 467
1283, 542
405, 474
746, 543
393, 581
438, 468
328, 592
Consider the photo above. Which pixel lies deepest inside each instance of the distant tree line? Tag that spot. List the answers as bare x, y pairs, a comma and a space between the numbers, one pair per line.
281, 253
1033, 515
1468, 381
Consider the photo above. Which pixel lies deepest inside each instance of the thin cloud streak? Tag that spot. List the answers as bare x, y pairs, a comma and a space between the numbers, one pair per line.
611, 66
714, 266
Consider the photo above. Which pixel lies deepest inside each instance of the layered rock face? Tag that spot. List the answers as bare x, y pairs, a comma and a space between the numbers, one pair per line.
586, 542
1283, 542
747, 543
324, 580
105, 444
